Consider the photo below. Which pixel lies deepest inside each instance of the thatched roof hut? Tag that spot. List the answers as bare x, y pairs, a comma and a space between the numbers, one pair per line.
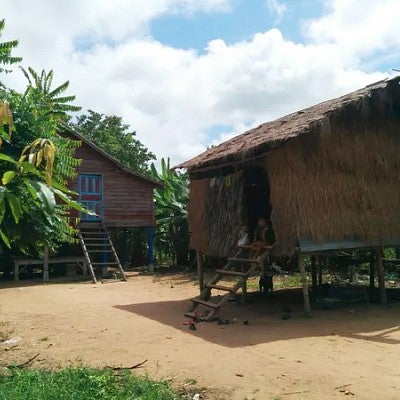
328, 177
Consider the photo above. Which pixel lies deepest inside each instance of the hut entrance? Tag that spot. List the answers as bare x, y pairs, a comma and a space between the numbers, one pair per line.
256, 195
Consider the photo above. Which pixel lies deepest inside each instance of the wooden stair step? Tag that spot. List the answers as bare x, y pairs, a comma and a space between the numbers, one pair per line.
220, 287
193, 315
96, 238
245, 260
90, 225
95, 234
105, 263
205, 303
233, 273
97, 245
100, 251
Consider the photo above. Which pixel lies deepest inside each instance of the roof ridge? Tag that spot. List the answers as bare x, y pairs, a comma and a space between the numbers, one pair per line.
130, 171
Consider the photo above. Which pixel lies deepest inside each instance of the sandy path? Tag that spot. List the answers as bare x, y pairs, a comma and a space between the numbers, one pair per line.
125, 323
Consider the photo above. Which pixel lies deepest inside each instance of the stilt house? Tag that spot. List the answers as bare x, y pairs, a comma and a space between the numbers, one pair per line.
118, 197
327, 177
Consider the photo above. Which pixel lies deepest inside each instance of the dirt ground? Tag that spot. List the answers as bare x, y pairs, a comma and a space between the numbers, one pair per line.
352, 352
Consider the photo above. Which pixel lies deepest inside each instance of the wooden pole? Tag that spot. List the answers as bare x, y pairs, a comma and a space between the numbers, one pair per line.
381, 276
314, 273
372, 272
150, 243
320, 258
16, 271
351, 269
200, 272
46, 264
307, 307
126, 247
244, 291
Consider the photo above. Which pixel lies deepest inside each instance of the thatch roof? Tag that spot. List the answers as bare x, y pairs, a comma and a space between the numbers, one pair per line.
273, 134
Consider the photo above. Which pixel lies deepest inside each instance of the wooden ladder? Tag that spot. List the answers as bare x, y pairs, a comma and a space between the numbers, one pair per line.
99, 250
248, 265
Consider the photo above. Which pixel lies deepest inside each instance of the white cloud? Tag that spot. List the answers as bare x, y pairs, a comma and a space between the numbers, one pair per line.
277, 9
357, 29
173, 96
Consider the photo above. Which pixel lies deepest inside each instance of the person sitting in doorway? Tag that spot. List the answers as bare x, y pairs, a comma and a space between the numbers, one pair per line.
263, 237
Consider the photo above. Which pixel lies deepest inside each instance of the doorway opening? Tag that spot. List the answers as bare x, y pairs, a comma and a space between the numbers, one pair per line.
257, 197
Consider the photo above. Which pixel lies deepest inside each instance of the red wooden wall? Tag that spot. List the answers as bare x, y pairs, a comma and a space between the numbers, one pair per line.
127, 199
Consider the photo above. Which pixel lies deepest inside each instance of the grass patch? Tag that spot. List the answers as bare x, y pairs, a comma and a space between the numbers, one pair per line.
280, 281
80, 384
190, 381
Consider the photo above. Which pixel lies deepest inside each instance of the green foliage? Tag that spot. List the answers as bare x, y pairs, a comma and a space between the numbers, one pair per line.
80, 384
113, 136
39, 111
35, 163
50, 99
131, 244
6, 49
172, 236
29, 214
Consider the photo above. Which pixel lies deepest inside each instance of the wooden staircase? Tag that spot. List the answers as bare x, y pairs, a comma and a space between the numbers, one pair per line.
99, 250
238, 268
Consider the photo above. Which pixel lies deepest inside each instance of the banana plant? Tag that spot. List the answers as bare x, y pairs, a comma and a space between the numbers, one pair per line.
171, 233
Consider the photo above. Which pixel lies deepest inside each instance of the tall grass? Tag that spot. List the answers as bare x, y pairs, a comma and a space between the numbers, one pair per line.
79, 384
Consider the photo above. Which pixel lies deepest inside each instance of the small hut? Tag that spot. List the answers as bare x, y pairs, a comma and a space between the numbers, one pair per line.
327, 177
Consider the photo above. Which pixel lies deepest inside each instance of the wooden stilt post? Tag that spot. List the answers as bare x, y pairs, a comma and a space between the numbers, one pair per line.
381, 276
314, 273
200, 272
372, 272
126, 247
150, 243
320, 260
46, 264
244, 291
307, 307
351, 269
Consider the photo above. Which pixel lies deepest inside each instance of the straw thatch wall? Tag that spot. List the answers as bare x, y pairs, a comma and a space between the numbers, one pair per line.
197, 215
225, 214
338, 185
216, 214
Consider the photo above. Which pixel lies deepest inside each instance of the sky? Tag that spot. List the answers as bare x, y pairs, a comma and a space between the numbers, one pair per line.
186, 74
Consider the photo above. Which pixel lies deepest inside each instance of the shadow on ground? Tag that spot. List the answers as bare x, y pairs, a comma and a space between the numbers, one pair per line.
265, 323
